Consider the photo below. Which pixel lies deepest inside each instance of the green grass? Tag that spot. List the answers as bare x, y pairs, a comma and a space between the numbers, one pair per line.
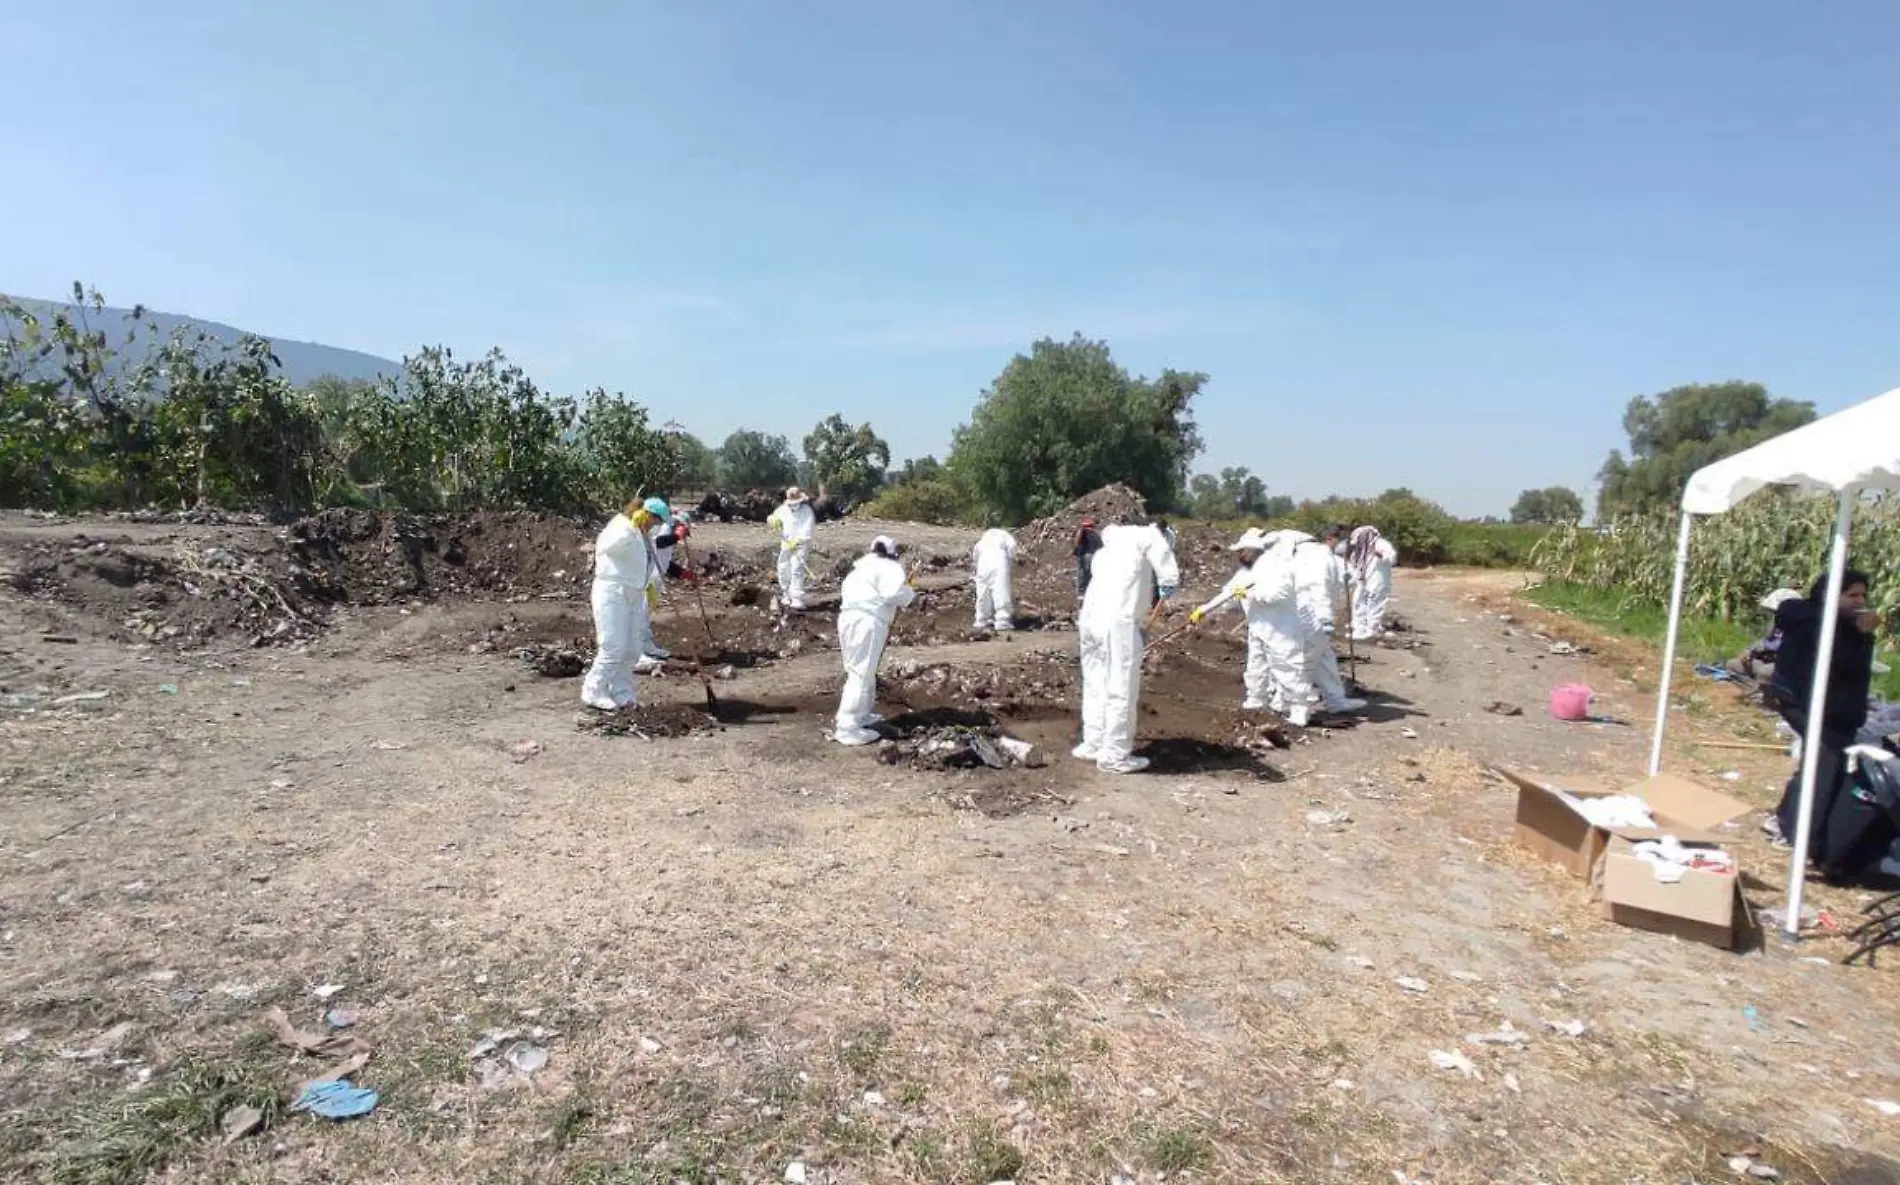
1702, 640
128, 1140
1176, 1149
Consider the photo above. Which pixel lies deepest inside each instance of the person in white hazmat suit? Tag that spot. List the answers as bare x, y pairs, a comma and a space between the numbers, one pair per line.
1265, 588
796, 524
874, 590
665, 534
1135, 564
994, 557
1369, 561
625, 588
1320, 577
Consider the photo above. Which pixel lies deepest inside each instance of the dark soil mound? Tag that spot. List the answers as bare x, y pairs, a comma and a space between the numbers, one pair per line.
375, 557
183, 594
649, 721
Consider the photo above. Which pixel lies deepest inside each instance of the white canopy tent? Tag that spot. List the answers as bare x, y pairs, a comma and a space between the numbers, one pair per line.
1846, 454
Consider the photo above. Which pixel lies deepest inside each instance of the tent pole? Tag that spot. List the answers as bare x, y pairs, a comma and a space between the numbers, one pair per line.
1811, 742
1669, 644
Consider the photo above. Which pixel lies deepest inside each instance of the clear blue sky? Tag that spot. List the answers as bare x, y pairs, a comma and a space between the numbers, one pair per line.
1426, 244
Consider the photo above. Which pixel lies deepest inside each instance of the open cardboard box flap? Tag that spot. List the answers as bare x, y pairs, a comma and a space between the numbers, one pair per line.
1548, 825
1701, 907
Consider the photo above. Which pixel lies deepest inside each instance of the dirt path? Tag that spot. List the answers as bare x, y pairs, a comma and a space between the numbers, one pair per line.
751, 948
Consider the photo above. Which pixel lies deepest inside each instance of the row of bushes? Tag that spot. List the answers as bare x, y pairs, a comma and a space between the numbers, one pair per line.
1424, 533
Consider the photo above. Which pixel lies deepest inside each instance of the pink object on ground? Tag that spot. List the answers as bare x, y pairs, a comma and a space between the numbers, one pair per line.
1571, 701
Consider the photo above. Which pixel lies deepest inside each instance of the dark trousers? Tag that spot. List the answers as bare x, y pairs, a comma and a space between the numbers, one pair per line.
1828, 773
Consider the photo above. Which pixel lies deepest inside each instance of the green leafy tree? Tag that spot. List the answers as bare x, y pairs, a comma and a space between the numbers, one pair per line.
918, 469
1547, 507
928, 500
624, 455
1236, 493
756, 460
43, 432
698, 465
1065, 419
230, 429
1673, 434
847, 463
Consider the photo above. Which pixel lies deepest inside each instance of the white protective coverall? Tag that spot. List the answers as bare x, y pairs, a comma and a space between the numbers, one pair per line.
796, 524
1320, 576
1132, 565
623, 574
994, 555
1275, 675
1369, 560
874, 590
650, 648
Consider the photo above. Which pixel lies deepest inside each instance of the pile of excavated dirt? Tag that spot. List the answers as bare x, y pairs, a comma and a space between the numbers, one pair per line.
1052, 537
375, 557
649, 722
949, 738
1045, 572
181, 594
551, 660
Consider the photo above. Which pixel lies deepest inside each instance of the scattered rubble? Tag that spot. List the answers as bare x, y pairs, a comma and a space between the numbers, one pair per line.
649, 721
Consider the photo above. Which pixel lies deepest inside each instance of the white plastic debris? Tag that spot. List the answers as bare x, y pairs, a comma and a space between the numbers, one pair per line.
1511, 1084
324, 991
1569, 1028
649, 1045
795, 1172
1328, 819
527, 1058
1408, 734
1505, 1035
1886, 1107
1453, 1060
1417, 987
1467, 977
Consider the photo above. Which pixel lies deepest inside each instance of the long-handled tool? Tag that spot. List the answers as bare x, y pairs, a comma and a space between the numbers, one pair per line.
699, 598
1190, 623
1352, 649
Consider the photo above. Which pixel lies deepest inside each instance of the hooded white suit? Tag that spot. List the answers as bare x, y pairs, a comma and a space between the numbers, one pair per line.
796, 524
1132, 565
1275, 675
1369, 559
1320, 576
994, 555
874, 590
623, 570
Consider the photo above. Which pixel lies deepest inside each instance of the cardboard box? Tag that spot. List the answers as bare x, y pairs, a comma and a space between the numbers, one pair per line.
1549, 825
1701, 907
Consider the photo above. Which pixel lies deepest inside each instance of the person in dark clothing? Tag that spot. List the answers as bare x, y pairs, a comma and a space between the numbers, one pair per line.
1849, 678
1088, 541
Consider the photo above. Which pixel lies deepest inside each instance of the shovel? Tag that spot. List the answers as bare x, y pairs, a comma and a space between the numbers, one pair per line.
1185, 626
699, 599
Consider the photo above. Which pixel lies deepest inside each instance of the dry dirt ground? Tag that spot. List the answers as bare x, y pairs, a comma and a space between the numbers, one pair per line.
751, 955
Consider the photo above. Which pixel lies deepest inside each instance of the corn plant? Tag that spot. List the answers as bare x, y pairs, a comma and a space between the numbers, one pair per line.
1773, 540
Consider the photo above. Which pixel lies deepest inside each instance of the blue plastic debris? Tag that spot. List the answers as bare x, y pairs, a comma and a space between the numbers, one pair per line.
341, 1099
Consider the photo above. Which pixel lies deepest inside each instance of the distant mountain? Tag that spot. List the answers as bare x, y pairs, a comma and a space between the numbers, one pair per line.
303, 362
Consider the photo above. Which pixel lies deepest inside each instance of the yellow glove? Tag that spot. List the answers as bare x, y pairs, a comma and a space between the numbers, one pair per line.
653, 597
1196, 617
792, 544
